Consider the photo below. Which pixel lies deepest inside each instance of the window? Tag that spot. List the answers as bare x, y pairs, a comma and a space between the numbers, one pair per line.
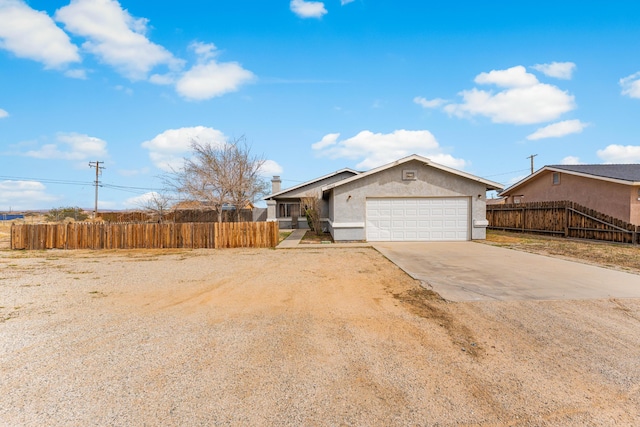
409, 175
556, 178
287, 210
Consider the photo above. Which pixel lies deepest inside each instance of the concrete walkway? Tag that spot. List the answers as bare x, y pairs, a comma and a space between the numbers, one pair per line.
468, 271
293, 242
292, 239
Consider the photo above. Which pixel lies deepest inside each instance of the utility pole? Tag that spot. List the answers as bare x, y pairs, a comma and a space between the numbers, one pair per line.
531, 157
96, 165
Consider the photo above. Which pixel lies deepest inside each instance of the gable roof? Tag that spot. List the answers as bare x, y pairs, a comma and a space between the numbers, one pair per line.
627, 174
313, 181
491, 185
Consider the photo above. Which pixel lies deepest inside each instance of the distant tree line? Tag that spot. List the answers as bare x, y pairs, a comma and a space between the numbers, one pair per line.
61, 213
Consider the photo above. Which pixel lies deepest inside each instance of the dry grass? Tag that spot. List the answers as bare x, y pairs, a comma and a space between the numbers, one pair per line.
312, 237
5, 234
283, 235
610, 255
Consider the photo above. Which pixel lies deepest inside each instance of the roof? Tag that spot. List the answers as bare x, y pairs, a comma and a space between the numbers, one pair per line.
627, 174
313, 181
491, 185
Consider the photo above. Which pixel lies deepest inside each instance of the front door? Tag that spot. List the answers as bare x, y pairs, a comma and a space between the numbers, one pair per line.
295, 213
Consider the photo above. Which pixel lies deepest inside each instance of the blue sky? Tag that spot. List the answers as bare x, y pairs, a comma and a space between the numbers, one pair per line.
312, 86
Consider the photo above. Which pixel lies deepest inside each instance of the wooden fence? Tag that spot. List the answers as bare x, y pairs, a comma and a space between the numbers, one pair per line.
178, 215
562, 218
86, 235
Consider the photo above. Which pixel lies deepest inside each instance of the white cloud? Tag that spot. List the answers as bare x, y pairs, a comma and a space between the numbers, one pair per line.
114, 36
270, 168
570, 160
72, 146
208, 78
557, 130
21, 195
559, 70
3, 113
524, 101
167, 150
326, 141
620, 154
429, 103
204, 51
376, 149
512, 77
133, 172
343, 2
162, 79
206, 81
31, 34
76, 74
141, 200
308, 9
631, 85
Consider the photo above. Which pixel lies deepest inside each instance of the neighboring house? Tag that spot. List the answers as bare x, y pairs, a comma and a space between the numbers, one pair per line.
498, 201
611, 189
412, 199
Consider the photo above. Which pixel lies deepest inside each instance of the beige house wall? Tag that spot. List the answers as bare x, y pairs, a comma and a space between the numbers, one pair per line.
635, 205
347, 206
617, 200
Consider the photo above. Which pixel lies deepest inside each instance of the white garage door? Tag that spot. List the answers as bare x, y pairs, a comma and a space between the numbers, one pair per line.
418, 219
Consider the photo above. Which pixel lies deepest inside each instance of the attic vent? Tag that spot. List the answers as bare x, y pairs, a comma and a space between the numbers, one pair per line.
409, 175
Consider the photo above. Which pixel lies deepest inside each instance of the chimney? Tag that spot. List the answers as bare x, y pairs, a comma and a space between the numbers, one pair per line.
275, 184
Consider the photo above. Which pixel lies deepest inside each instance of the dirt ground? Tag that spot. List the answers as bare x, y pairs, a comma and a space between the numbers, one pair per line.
624, 257
296, 337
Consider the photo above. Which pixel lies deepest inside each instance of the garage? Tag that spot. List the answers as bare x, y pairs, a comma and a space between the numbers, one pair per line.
417, 219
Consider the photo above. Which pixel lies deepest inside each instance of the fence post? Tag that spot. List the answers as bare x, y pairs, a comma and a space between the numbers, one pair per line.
566, 220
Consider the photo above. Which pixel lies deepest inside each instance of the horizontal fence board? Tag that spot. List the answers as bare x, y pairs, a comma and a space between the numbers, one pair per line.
561, 218
86, 235
178, 215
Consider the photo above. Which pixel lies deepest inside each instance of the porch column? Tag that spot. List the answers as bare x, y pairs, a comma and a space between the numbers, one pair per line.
271, 210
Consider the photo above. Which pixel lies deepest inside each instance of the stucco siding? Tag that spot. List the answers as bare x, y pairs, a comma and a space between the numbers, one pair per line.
349, 211
294, 196
603, 196
634, 210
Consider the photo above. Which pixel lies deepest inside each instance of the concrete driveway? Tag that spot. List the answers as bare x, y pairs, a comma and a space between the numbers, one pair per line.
468, 271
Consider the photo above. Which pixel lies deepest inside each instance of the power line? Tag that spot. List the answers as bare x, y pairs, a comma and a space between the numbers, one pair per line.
47, 180
67, 182
506, 173
117, 187
96, 165
531, 157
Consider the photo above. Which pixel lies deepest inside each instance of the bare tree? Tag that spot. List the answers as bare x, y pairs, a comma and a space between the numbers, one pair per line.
157, 203
245, 185
311, 206
220, 175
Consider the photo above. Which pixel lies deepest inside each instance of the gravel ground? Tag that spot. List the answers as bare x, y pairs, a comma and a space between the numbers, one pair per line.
305, 337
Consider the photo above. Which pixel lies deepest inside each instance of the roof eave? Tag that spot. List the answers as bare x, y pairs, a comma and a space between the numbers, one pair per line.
523, 181
295, 187
490, 185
